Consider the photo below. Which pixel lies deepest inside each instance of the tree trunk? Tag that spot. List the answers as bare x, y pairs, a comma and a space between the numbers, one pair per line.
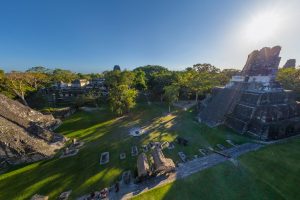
161, 98
169, 108
197, 100
21, 95
24, 100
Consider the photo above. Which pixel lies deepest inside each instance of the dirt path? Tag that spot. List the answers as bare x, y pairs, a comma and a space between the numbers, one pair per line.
184, 170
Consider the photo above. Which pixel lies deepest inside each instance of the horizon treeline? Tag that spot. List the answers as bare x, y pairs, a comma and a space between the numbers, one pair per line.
156, 83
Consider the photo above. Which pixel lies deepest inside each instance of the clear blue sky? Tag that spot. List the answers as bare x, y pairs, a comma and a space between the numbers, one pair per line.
92, 36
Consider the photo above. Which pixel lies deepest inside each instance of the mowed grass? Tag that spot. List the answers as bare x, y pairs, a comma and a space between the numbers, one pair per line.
270, 173
101, 132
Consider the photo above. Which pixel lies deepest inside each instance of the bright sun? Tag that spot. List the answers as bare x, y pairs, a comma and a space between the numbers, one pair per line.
262, 27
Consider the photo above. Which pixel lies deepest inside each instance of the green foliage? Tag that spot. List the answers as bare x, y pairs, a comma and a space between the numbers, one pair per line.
289, 78
226, 75
140, 80
1, 74
63, 75
171, 94
85, 100
122, 95
19, 83
122, 99
199, 81
206, 67
83, 76
40, 69
151, 69
160, 80
115, 78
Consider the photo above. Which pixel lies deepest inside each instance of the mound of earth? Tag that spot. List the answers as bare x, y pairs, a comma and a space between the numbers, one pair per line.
25, 134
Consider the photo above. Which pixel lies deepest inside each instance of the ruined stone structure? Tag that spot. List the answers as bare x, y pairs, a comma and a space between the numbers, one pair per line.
143, 168
161, 163
25, 134
290, 63
254, 103
66, 93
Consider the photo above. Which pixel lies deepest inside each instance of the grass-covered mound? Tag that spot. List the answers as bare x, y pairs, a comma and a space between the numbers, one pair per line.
101, 132
270, 173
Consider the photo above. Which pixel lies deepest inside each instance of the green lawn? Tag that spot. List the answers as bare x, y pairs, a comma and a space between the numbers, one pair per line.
270, 173
103, 132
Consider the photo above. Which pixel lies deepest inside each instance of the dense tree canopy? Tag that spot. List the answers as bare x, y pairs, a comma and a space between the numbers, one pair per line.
289, 78
154, 81
122, 94
171, 94
66, 76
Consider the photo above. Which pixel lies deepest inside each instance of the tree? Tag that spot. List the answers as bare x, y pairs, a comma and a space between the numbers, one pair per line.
171, 94
206, 67
37, 79
63, 75
122, 99
160, 80
122, 95
40, 69
289, 78
83, 76
20, 83
115, 78
226, 75
140, 80
150, 70
1, 74
199, 81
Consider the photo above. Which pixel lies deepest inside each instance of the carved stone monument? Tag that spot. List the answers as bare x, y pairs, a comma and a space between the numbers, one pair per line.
254, 103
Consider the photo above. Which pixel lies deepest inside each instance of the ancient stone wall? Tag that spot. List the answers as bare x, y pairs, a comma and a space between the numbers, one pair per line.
25, 134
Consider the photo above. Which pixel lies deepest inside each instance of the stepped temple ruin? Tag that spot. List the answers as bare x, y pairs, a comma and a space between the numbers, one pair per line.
25, 134
253, 102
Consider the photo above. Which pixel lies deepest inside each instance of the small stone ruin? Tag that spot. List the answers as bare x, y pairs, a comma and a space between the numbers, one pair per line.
104, 158
68, 152
204, 152
221, 147
65, 195
126, 177
290, 63
182, 156
134, 151
39, 197
76, 144
122, 156
143, 168
171, 146
162, 165
230, 142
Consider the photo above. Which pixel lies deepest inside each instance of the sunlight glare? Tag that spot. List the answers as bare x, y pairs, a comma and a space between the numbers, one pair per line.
263, 26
